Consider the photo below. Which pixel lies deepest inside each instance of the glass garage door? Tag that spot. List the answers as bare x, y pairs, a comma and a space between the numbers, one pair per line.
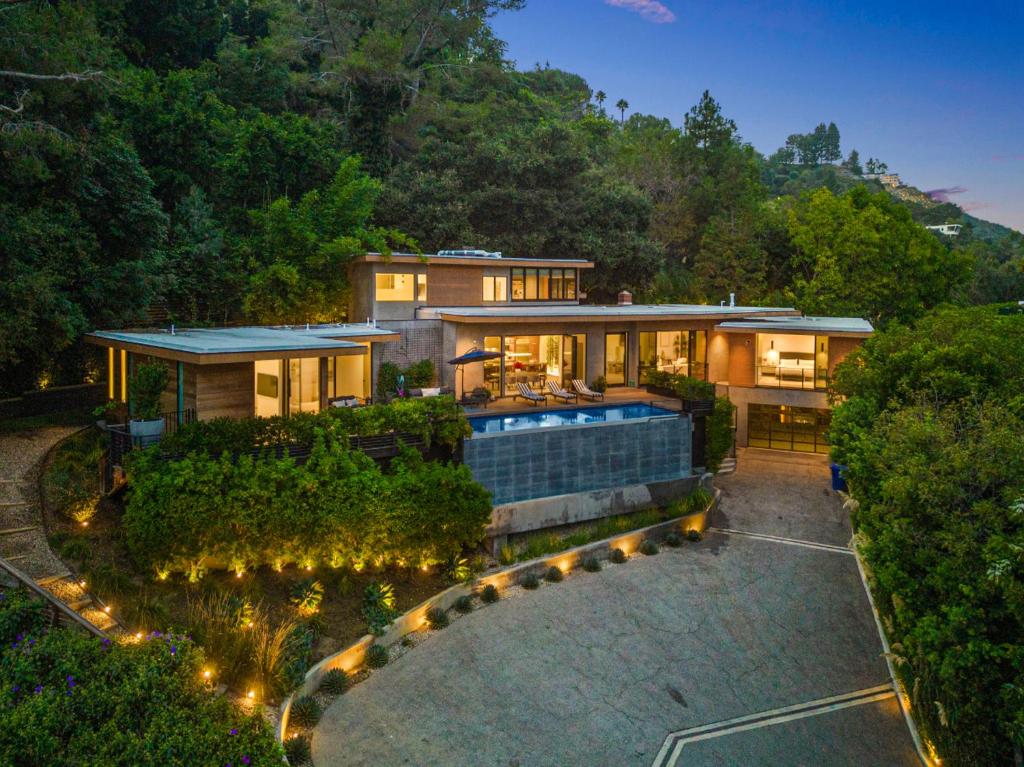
781, 427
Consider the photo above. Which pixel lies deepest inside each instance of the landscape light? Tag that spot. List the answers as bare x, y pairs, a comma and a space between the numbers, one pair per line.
251, 695
106, 608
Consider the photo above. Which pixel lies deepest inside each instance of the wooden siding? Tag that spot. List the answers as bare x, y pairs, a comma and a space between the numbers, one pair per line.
225, 391
838, 348
455, 285
742, 350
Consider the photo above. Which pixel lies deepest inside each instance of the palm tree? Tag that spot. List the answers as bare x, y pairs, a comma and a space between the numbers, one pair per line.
622, 105
599, 97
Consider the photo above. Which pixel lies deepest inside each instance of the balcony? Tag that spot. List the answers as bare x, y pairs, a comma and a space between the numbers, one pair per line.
795, 375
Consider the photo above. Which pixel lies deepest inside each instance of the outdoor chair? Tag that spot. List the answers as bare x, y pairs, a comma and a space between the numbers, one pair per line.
559, 393
585, 391
479, 397
530, 396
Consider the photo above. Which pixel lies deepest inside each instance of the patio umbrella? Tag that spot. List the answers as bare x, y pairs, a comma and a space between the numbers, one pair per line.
473, 355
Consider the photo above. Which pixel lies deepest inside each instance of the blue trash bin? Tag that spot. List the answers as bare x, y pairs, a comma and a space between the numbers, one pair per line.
838, 480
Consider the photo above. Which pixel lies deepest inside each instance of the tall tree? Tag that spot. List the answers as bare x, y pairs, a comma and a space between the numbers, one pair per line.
832, 152
622, 105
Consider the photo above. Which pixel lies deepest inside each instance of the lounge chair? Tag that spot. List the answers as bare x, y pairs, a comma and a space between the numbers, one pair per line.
529, 396
559, 393
585, 391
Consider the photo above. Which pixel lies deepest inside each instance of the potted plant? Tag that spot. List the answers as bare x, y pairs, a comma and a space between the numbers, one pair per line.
698, 396
146, 387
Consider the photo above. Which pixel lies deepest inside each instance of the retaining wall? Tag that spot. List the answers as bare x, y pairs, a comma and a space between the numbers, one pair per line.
353, 656
557, 461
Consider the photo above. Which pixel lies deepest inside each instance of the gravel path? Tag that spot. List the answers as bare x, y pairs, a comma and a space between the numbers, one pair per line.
22, 536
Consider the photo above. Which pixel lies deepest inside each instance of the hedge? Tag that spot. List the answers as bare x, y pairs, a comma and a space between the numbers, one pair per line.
338, 508
435, 420
67, 697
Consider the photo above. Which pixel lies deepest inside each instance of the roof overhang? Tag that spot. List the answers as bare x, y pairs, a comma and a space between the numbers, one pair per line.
408, 258
797, 329
530, 315
185, 346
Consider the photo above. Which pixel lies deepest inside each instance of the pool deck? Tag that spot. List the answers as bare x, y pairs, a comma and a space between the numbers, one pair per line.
614, 396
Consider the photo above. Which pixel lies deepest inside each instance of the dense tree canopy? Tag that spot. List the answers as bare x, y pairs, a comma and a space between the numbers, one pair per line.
931, 432
179, 161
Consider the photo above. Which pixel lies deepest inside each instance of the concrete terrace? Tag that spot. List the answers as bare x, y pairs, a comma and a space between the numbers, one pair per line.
747, 648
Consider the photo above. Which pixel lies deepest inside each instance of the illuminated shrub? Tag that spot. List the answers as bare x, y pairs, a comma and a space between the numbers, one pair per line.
334, 682
618, 556
305, 712
648, 547
464, 604
297, 750
592, 564
437, 618
306, 596
377, 656
694, 535
529, 581
674, 539
489, 595
553, 575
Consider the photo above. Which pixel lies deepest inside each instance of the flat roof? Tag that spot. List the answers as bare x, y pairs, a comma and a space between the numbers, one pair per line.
833, 326
467, 260
219, 345
347, 331
596, 312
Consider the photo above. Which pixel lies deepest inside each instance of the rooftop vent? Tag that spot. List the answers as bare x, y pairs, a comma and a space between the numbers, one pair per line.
625, 298
470, 253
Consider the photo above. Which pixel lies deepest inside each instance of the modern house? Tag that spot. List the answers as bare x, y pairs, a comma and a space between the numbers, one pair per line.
772, 363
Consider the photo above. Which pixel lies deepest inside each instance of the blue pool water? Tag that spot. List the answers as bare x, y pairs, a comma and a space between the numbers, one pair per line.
540, 419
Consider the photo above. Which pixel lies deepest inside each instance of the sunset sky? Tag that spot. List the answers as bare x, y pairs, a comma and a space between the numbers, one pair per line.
934, 89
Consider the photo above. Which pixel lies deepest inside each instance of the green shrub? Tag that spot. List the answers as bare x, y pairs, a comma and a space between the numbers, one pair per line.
674, 539
529, 581
719, 434
379, 606
387, 379
419, 374
113, 703
507, 555
694, 535
592, 564
339, 506
377, 656
305, 712
437, 618
459, 570
334, 682
297, 750
77, 549
618, 556
146, 612
464, 604
648, 547
70, 483
20, 615
490, 594
306, 595
599, 384
553, 575
146, 387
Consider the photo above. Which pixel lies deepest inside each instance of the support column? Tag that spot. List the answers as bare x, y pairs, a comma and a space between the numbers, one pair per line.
323, 382
127, 382
181, 392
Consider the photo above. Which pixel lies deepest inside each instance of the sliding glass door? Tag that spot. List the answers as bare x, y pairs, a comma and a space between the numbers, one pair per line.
615, 358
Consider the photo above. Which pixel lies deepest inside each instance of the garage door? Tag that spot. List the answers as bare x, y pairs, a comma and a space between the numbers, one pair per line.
782, 427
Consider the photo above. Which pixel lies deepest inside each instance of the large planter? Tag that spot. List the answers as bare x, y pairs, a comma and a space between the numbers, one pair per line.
699, 407
145, 433
661, 391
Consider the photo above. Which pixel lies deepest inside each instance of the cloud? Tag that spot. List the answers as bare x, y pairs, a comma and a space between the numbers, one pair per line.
943, 195
651, 10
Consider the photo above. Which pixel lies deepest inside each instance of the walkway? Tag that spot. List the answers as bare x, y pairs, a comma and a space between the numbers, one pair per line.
22, 534
746, 648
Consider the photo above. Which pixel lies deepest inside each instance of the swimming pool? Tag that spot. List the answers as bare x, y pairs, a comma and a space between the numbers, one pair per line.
542, 419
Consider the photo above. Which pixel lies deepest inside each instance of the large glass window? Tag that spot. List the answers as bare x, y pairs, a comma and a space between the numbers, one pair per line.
349, 375
492, 367
397, 287
788, 360
679, 352
304, 385
421, 287
532, 360
615, 358
782, 427
699, 354
495, 288
268, 388
543, 284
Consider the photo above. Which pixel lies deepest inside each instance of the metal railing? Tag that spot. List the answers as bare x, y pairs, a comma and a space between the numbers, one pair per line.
61, 610
122, 442
791, 377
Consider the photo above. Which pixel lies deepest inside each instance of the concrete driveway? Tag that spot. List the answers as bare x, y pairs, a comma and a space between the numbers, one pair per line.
742, 649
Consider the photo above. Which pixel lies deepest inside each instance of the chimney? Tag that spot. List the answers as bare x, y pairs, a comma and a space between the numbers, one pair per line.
732, 299
625, 298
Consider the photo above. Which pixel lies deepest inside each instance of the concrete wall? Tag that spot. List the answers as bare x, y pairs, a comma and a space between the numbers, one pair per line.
421, 340
741, 397
540, 463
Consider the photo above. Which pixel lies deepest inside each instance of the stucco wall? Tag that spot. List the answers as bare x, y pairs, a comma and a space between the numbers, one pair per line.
539, 463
